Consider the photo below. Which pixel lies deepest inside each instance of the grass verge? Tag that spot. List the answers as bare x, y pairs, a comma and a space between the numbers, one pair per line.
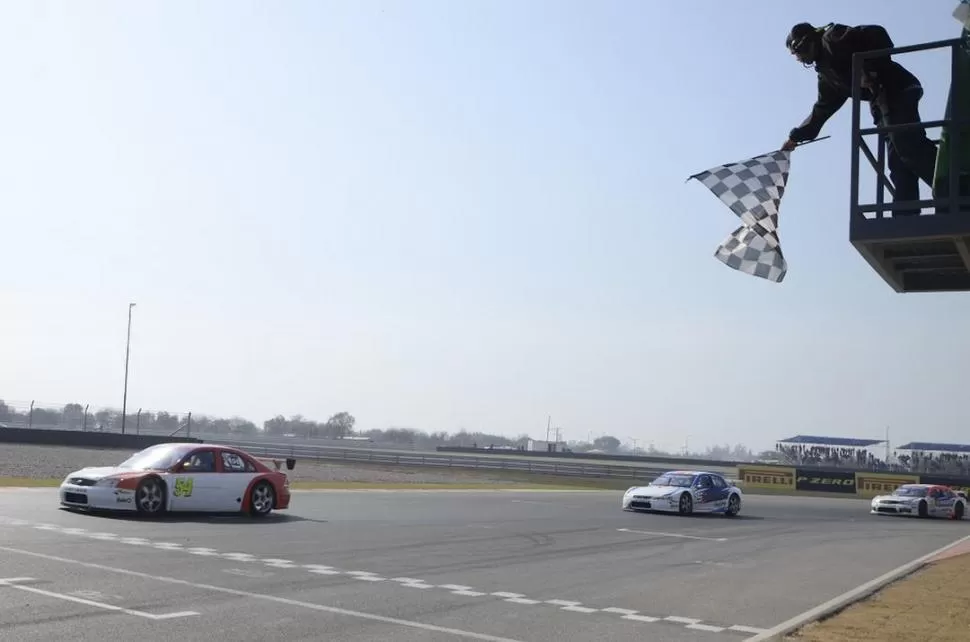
14, 482
930, 604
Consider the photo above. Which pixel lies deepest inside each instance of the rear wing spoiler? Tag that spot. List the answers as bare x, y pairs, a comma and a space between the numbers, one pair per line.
278, 463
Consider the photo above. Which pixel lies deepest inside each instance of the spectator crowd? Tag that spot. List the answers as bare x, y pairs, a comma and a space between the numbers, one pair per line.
925, 462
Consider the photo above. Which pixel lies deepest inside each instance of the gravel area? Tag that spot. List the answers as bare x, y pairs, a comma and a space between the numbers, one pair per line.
45, 462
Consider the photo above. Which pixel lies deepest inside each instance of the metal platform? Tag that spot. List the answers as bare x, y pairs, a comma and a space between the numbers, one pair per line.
930, 252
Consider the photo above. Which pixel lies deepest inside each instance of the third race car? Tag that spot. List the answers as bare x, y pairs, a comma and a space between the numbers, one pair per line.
921, 500
686, 492
181, 477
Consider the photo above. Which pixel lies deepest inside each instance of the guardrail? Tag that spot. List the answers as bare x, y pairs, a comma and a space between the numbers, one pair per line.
558, 468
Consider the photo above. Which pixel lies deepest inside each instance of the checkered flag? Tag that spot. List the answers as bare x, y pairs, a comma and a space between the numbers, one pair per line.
753, 190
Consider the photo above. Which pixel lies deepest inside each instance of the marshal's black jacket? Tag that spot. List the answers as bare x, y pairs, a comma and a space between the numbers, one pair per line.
834, 69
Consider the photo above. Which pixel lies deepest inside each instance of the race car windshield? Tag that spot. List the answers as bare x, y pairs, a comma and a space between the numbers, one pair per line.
911, 491
673, 480
154, 458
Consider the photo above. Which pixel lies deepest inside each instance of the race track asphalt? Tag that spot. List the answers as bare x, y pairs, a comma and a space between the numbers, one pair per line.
409, 566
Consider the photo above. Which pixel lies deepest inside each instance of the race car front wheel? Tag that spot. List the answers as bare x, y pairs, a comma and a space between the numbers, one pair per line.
150, 496
686, 504
922, 511
958, 511
734, 506
261, 499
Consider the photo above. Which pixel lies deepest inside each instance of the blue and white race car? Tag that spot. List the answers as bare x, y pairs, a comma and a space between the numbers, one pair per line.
686, 492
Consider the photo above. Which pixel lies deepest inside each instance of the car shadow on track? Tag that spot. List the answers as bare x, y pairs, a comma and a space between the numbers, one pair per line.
716, 516
198, 518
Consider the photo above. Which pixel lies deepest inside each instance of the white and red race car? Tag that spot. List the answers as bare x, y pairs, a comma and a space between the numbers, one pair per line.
921, 500
181, 477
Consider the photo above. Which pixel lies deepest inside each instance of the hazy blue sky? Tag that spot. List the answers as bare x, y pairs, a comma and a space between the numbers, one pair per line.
443, 214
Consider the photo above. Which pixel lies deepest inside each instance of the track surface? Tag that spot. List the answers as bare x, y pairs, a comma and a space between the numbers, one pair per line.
403, 566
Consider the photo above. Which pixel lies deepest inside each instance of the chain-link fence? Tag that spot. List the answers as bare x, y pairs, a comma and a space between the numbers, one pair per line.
40, 415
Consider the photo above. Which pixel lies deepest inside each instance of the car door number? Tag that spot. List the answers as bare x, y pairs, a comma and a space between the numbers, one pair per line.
183, 487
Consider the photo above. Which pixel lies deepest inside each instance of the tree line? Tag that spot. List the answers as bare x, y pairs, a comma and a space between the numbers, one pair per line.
74, 416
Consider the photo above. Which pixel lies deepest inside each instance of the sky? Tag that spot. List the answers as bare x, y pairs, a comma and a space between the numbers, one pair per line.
451, 215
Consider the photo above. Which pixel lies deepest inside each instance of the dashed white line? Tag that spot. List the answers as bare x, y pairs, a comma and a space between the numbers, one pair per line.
619, 611
682, 620
411, 582
705, 627
675, 535
167, 546
564, 603
265, 597
208, 552
16, 583
746, 629
641, 618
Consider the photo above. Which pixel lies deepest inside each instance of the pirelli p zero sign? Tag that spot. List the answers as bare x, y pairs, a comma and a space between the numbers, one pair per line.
872, 484
818, 481
767, 477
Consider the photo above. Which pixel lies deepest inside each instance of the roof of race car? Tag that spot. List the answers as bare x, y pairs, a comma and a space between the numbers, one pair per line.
690, 472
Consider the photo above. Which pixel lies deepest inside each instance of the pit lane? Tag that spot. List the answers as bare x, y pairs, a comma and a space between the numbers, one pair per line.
363, 565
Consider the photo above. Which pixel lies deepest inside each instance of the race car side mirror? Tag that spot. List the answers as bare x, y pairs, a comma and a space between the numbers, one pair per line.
290, 463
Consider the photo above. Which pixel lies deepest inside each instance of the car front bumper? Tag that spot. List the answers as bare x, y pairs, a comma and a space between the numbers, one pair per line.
639, 502
889, 508
96, 497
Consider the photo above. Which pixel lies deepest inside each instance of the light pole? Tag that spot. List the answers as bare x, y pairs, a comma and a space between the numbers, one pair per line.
124, 403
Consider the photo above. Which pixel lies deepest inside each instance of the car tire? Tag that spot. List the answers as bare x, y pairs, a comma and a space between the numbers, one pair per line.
958, 511
262, 499
686, 504
734, 505
150, 497
922, 510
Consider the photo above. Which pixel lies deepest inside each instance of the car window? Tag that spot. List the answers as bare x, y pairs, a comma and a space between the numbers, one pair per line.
233, 463
704, 481
719, 483
203, 461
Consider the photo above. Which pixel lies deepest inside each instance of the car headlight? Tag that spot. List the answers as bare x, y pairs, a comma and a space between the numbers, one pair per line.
107, 482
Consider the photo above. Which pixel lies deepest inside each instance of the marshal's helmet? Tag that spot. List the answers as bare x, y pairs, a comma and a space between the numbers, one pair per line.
804, 42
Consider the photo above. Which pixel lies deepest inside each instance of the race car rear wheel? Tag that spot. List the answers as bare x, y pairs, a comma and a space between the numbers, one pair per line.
922, 511
734, 506
261, 499
150, 496
958, 511
686, 504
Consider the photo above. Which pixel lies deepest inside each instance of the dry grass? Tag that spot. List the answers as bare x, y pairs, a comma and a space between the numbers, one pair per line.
927, 606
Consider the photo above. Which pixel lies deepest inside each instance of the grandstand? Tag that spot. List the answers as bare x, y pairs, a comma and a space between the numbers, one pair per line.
835, 452
846, 452
931, 457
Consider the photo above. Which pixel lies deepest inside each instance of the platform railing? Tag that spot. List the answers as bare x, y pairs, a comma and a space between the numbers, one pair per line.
954, 199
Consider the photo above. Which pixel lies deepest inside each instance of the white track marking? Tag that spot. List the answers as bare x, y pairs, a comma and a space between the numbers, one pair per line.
265, 597
677, 535
15, 583
858, 593
410, 582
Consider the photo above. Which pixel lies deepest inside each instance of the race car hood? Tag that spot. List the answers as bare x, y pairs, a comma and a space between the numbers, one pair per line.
654, 491
100, 472
896, 498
